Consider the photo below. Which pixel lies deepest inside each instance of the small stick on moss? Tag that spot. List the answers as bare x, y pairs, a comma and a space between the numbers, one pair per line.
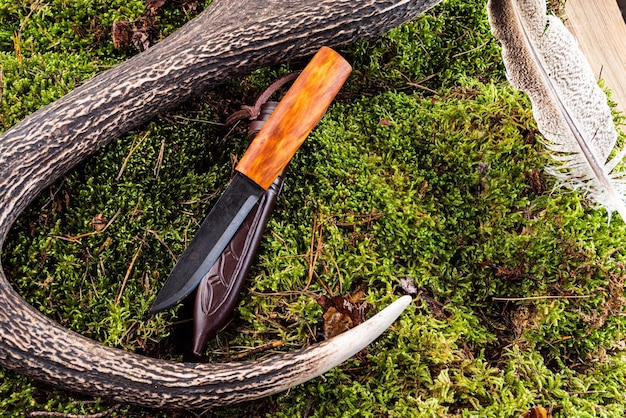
17, 36
76, 238
460, 54
157, 167
61, 415
419, 84
162, 241
185, 119
128, 270
285, 294
259, 349
541, 297
133, 148
315, 249
312, 253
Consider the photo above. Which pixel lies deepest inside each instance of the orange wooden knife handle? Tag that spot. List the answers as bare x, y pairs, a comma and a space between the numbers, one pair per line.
294, 118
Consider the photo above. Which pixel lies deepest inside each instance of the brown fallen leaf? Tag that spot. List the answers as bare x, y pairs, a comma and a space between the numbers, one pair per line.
141, 33
192, 4
122, 34
99, 222
535, 181
144, 32
154, 4
342, 312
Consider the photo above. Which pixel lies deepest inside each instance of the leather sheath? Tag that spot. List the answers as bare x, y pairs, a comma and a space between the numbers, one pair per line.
218, 293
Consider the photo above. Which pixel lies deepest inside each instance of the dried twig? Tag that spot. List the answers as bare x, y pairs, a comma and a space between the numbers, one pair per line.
75, 238
129, 270
185, 119
285, 294
133, 148
259, 349
162, 241
314, 250
460, 54
542, 297
157, 167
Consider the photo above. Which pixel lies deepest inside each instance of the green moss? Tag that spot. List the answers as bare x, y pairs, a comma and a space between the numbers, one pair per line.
428, 166
78, 26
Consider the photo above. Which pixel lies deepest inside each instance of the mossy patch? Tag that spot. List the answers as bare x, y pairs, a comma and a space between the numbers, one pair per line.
428, 166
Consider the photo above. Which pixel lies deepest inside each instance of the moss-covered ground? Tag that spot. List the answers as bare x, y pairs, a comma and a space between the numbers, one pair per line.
428, 167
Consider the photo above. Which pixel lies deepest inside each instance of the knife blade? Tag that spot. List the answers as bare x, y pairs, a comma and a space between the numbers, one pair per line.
296, 115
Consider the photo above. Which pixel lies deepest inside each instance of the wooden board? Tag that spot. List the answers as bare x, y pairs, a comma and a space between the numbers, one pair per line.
601, 32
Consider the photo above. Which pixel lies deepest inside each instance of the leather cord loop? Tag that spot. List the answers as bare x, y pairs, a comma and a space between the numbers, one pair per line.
252, 112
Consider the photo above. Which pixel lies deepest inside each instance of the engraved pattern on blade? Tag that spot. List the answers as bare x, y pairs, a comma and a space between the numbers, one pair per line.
217, 279
221, 43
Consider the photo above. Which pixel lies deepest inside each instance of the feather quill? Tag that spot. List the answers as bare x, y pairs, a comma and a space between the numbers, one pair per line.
542, 58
